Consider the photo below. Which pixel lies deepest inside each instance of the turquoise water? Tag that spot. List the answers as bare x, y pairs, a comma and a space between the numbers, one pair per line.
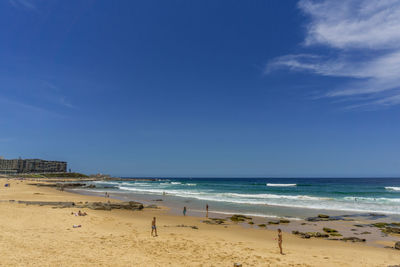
290, 197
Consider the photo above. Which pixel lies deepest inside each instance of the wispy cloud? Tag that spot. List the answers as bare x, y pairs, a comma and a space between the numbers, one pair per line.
22, 4
54, 94
363, 39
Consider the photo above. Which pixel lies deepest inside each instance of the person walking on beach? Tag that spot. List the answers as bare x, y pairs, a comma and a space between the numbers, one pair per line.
280, 240
207, 210
153, 227
184, 211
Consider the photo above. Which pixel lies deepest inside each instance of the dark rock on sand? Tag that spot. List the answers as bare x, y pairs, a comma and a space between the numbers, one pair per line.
215, 221
391, 230
131, 205
310, 234
335, 234
397, 245
366, 233
380, 224
353, 239
239, 218
151, 207
189, 226
262, 225
387, 228
273, 222
284, 221
324, 218
49, 203
329, 230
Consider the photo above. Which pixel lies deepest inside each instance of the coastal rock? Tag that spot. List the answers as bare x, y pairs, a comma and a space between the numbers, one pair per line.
239, 218
391, 230
397, 245
49, 203
284, 221
310, 234
365, 233
329, 230
262, 225
335, 234
215, 221
189, 226
353, 239
323, 218
380, 224
131, 205
318, 234
151, 207
273, 222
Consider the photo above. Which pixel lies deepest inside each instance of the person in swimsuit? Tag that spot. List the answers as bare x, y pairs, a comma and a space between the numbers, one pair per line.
153, 227
184, 211
280, 240
207, 210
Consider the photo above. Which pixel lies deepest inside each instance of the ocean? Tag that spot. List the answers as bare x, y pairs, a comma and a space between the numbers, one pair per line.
266, 197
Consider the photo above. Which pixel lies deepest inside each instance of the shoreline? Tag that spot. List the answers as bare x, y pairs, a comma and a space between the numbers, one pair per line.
43, 235
372, 235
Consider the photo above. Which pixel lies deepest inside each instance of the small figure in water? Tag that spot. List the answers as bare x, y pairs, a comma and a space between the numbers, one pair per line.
184, 211
153, 227
207, 210
280, 240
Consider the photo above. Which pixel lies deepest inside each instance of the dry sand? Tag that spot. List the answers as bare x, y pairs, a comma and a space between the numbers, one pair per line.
43, 236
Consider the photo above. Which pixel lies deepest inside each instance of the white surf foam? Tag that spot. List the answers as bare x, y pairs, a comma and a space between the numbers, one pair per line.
269, 196
392, 188
281, 185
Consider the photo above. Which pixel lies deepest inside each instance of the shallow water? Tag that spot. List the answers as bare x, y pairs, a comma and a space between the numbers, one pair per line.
286, 197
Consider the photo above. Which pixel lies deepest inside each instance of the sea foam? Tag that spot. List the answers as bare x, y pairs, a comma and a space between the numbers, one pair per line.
392, 188
281, 185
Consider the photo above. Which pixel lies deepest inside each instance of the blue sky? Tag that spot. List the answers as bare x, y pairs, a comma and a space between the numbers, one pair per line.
203, 88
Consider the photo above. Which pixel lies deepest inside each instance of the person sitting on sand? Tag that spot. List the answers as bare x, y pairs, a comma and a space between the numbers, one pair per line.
280, 240
153, 227
82, 213
184, 211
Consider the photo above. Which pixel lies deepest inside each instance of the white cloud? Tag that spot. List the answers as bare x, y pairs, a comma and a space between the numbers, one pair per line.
363, 36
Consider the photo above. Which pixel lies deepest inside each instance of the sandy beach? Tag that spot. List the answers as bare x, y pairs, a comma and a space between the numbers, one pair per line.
34, 235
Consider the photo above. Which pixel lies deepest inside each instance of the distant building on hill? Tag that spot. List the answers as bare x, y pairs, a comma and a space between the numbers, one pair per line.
14, 166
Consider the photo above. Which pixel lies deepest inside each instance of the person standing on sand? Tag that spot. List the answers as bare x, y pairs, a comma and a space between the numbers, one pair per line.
280, 240
184, 211
153, 227
207, 210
